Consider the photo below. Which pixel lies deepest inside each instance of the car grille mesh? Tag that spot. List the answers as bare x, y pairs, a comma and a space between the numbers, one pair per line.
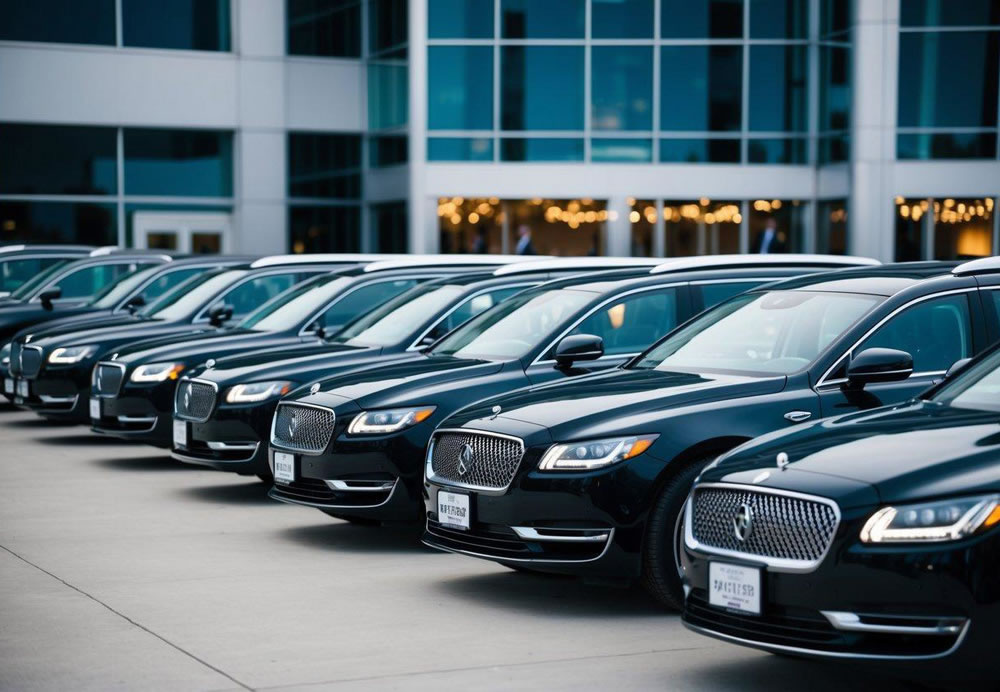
30, 361
303, 428
195, 400
108, 379
475, 459
15, 358
782, 527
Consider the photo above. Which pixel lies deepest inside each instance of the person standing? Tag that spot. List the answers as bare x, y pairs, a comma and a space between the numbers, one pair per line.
524, 246
770, 241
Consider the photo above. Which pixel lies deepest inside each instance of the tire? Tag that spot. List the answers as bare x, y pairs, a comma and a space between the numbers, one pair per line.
660, 560
266, 478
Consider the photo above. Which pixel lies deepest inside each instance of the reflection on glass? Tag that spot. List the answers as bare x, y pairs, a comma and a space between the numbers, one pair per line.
548, 19
702, 19
702, 227
460, 87
179, 24
58, 21
784, 150
700, 87
700, 150
387, 27
460, 18
329, 28
629, 150
947, 145
324, 229
196, 163
58, 222
963, 228
779, 19
642, 219
541, 149
831, 227
834, 88
778, 88
776, 226
833, 148
834, 18
949, 13
47, 159
541, 87
621, 18
459, 149
387, 94
622, 87
324, 165
911, 218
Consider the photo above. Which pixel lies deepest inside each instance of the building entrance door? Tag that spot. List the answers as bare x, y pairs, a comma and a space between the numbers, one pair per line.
186, 232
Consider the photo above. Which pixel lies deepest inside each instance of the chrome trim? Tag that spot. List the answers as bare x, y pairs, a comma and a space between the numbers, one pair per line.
824, 654
345, 486
48, 399
233, 446
428, 461
41, 359
773, 564
93, 378
983, 264
186, 457
136, 419
296, 450
484, 556
791, 260
177, 393
853, 622
797, 416
531, 534
322, 505
584, 264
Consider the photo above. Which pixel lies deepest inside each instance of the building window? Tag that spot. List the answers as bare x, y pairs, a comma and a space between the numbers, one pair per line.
682, 150
541, 149
622, 18
949, 13
324, 165
779, 19
387, 150
389, 232
58, 21
388, 95
790, 150
527, 75
387, 28
58, 160
705, 19
623, 150
178, 24
313, 228
831, 227
700, 87
642, 222
459, 149
58, 222
622, 88
460, 92
944, 228
776, 226
778, 90
460, 18
195, 163
549, 19
702, 227
326, 28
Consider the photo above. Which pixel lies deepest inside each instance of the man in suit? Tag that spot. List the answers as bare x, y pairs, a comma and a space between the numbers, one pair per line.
524, 246
770, 241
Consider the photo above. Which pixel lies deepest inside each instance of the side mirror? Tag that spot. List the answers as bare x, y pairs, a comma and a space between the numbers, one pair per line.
578, 347
878, 365
49, 295
134, 303
957, 365
220, 314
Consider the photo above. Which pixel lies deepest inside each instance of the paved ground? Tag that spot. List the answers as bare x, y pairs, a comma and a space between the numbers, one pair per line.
121, 569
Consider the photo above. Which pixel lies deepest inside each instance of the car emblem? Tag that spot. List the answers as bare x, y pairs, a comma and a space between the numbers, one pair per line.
314, 388
187, 397
743, 523
465, 459
496, 412
293, 425
782, 460
210, 363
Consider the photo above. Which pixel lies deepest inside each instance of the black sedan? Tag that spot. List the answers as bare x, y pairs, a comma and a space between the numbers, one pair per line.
872, 536
354, 448
588, 477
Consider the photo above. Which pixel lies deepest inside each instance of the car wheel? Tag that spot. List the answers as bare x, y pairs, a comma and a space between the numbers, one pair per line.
660, 559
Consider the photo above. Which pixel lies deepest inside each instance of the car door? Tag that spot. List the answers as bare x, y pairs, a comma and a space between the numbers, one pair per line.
936, 330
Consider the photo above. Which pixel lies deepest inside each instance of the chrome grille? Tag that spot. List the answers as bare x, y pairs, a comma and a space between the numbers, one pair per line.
108, 379
476, 460
302, 428
30, 361
15, 358
784, 529
195, 400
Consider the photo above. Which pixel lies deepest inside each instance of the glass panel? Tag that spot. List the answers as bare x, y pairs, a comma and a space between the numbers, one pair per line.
621, 18
779, 18
713, 294
910, 222
702, 227
89, 281
950, 13
632, 325
387, 24
44, 159
250, 295
388, 94
531, 77
181, 24
948, 79
470, 225
58, 222
963, 228
935, 332
459, 149
642, 219
700, 150
778, 88
361, 300
197, 163
324, 166
548, 19
16, 272
776, 226
622, 88
831, 227
557, 227
460, 87
389, 227
206, 243
947, 145
700, 87
704, 19
164, 240
834, 149
58, 21
834, 17
470, 308
167, 282
330, 28
787, 150
460, 18
541, 149
834, 88
324, 229
631, 150
387, 150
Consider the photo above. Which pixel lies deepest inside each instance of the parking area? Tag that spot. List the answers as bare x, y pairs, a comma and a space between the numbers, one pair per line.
121, 569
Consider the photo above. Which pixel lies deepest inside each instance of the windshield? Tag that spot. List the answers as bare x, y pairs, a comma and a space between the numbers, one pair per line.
296, 304
25, 290
400, 317
976, 388
514, 327
191, 295
773, 333
116, 292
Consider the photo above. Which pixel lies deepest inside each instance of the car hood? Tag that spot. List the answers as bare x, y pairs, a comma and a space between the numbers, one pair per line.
112, 329
87, 320
905, 452
211, 344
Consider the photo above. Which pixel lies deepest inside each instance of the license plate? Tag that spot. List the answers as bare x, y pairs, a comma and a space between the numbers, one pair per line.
8, 385
180, 433
23, 389
95, 409
734, 587
284, 467
453, 510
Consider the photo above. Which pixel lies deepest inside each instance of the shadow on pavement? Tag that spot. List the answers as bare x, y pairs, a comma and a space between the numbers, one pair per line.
340, 535
254, 493
157, 463
539, 593
84, 440
28, 423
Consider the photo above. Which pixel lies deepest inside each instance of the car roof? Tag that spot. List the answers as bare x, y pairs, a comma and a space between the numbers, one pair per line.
214, 260
68, 250
887, 280
678, 264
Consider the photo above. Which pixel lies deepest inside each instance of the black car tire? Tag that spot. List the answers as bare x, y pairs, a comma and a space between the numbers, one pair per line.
660, 575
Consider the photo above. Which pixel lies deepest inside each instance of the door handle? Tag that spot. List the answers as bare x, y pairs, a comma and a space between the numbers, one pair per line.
797, 416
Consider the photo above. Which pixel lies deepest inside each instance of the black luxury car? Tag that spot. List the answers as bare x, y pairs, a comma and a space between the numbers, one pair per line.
133, 388
869, 536
353, 446
223, 413
20, 263
588, 477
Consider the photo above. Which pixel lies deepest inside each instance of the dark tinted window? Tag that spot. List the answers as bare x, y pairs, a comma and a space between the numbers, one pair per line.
622, 18
45, 159
700, 87
58, 21
935, 332
834, 88
949, 12
89, 281
947, 145
387, 26
387, 150
779, 18
321, 165
541, 149
622, 87
178, 162
527, 74
707, 295
180, 24
251, 294
460, 88
325, 229
700, 150
167, 282
470, 308
389, 226
329, 28
460, 18
58, 222
361, 301
15, 272
549, 19
702, 19
632, 324
778, 88
459, 149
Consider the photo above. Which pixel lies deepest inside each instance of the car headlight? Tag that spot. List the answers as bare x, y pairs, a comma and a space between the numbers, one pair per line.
157, 372
932, 522
5, 355
593, 454
388, 420
257, 391
71, 355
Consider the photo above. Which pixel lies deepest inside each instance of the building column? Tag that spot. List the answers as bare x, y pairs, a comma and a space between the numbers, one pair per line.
618, 242
423, 233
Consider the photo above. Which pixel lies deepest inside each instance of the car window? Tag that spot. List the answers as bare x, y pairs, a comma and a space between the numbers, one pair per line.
250, 295
359, 301
976, 386
167, 282
88, 281
15, 272
469, 309
633, 323
714, 293
935, 332
397, 319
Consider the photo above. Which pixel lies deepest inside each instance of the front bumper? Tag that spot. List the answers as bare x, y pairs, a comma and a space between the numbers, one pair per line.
61, 393
140, 414
230, 440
